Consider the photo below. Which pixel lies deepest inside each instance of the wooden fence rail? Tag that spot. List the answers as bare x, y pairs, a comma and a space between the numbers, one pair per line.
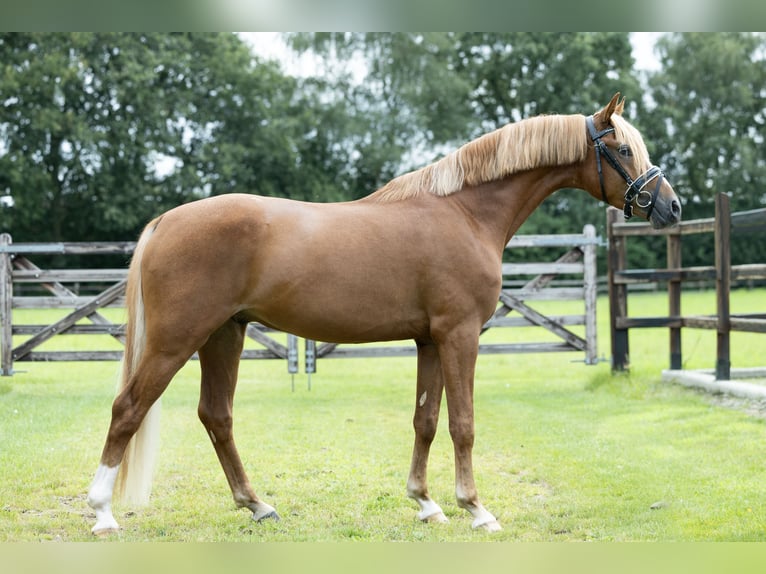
82, 316
619, 277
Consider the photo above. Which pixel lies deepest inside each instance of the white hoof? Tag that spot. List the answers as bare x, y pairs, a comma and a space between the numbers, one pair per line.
489, 524
437, 517
105, 525
262, 511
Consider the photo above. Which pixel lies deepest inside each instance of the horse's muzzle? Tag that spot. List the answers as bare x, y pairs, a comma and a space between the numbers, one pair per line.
666, 212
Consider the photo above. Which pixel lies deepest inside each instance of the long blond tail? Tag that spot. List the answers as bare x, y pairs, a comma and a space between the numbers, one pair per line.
134, 479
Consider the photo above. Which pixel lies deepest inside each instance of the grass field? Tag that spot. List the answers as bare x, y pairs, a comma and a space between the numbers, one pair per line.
564, 451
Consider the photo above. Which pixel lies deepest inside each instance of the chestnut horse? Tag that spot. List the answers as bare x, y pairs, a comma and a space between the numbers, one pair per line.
418, 259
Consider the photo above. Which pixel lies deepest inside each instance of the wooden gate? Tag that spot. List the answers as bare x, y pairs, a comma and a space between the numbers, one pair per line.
524, 283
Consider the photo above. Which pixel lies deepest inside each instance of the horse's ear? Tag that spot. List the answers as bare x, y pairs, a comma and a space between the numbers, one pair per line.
620, 106
615, 106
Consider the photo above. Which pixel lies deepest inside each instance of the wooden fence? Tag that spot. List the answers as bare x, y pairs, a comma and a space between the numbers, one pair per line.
723, 272
17, 268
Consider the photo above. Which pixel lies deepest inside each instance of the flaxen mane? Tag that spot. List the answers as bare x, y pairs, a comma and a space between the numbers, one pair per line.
540, 141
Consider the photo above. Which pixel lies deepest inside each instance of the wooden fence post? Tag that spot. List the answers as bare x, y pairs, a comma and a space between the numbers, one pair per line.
311, 360
674, 299
6, 305
618, 296
723, 284
590, 288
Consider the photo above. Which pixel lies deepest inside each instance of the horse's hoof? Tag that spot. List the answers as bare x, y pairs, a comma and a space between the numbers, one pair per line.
490, 526
105, 526
270, 516
437, 517
104, 532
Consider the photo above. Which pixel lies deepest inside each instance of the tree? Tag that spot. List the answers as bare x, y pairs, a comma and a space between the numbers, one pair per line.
100, 132
710, 107
409, 101
711, 93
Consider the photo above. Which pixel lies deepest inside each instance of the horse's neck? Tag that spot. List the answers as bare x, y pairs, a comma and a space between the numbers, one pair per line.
500, 207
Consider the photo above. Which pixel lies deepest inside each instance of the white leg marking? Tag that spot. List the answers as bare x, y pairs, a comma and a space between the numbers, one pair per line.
100, 499
484, 519
430, 511
423, 398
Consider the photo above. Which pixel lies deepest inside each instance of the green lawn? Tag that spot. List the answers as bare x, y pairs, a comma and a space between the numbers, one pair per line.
563, 452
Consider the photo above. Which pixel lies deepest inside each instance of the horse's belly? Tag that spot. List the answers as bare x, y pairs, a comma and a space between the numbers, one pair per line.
344, 321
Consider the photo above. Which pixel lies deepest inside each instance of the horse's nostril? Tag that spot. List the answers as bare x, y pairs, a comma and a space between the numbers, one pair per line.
675, 208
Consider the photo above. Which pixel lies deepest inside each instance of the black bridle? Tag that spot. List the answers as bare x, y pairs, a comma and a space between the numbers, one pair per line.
635, 191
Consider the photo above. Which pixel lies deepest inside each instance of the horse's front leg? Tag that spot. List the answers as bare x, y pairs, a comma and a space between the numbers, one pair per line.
427, 403
458, 353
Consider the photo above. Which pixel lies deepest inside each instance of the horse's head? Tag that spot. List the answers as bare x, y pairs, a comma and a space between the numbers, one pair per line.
621, 159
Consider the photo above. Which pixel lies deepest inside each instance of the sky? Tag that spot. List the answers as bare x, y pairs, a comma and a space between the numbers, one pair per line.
643, 50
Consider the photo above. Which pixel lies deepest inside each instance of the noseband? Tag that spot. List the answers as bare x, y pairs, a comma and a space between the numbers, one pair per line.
635, 191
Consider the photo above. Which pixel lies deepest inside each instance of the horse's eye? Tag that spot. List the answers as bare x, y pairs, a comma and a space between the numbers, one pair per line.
624, 150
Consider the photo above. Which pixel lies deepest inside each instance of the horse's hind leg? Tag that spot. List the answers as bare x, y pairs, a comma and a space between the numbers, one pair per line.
219, 361
428, 400
141, 391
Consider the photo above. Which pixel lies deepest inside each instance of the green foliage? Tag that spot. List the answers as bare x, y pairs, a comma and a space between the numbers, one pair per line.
711, 94
101, 132
708, 125
89, 115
